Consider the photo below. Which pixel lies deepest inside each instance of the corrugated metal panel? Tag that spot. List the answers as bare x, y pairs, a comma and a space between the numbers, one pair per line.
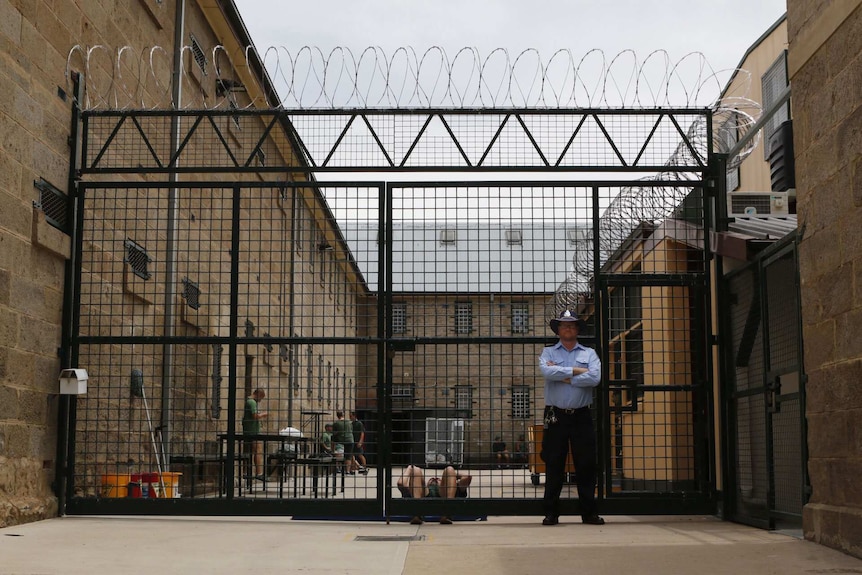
765, 228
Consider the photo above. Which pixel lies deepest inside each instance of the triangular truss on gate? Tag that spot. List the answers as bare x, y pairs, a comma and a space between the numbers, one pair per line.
400, 140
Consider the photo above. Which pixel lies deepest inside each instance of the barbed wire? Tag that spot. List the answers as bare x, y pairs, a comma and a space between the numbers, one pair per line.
308, 78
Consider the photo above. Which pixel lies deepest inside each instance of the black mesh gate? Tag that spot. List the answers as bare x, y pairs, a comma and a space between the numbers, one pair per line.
770, 484
220, 280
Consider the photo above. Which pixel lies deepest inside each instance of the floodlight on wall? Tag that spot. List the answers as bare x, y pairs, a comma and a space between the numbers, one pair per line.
73, 381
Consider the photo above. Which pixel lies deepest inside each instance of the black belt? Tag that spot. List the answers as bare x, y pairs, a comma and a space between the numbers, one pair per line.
569, 411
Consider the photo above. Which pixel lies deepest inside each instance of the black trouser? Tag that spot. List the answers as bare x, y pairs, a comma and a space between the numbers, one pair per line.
573, 430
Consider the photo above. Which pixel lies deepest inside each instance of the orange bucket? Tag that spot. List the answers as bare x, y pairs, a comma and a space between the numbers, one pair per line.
115, 485
171, 479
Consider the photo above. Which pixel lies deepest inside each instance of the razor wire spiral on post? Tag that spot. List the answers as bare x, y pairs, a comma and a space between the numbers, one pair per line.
308, 78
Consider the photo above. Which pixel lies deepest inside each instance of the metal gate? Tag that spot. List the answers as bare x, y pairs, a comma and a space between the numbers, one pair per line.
220, 272
767, 391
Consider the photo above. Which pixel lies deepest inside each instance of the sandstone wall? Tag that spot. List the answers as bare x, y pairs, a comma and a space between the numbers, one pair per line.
825, 61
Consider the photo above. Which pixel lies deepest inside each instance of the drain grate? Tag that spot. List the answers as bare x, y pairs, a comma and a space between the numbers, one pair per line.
389, 538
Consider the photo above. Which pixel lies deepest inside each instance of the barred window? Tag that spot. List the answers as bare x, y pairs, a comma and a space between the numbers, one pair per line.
464, 399
463, 317
520, 318
399, 318
402, 391
521, 402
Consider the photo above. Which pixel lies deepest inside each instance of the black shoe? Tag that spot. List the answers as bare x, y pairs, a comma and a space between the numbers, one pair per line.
550, 520
416, 520
363, 470
260, 477
593, 519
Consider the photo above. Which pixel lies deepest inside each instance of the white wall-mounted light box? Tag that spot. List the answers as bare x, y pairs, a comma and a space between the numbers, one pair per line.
73, 381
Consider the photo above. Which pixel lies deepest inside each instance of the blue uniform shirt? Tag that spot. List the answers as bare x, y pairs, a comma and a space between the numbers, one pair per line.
562, 389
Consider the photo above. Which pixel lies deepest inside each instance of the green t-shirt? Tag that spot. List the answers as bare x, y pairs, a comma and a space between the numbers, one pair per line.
342, 431
250, 425
358, 430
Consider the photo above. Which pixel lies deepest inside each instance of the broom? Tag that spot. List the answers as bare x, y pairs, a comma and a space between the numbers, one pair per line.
137, 388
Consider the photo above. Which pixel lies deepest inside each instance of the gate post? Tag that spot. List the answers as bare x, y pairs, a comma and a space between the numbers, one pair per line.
717, 179
64, 470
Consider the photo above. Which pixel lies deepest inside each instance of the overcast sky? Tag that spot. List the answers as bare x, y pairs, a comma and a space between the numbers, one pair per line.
721, 30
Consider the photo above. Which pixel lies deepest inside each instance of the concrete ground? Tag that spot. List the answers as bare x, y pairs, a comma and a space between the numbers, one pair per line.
501, 545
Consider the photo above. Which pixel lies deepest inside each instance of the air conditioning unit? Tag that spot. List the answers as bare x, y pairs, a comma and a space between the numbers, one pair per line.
759, 203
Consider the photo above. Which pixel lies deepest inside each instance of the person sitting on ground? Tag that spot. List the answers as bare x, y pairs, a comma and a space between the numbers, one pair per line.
326, 440
501, 454
412, 485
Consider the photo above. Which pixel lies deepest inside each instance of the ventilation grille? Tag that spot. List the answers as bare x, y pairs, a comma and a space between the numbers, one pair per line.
199, 55
54, 203
138, 260
191, 293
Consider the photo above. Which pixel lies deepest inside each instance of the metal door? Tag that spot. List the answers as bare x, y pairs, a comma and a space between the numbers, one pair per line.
766, 408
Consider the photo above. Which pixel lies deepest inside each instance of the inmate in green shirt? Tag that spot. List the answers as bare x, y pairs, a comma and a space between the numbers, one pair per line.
250, 425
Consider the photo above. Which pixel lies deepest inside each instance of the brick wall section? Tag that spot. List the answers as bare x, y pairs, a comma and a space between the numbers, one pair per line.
827, 111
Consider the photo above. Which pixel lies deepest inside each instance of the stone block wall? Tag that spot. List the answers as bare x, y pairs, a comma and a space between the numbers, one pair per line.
40, 41
825, 61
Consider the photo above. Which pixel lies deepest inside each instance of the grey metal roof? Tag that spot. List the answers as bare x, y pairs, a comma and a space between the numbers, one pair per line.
764, 227
480, 259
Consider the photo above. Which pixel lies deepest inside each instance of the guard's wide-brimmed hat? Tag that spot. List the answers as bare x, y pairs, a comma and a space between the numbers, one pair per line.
566, 315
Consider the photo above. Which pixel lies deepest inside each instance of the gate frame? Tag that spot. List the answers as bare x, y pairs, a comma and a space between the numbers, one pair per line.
526, 507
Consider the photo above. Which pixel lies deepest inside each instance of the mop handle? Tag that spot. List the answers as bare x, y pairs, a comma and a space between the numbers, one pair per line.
153, 439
